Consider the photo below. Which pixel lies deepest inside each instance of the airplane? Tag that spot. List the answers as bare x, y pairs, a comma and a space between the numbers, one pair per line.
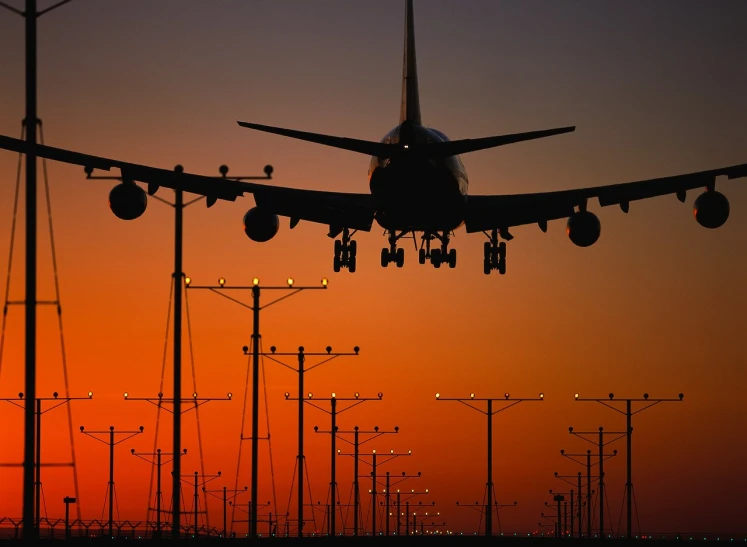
417, 185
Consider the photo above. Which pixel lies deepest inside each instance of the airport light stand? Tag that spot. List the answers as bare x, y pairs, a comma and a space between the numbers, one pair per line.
510, 402
256, 307
388, 496
350, 402
111, 433
301, 355
374, 482
613, 404
226, 500
578, 485
57, 402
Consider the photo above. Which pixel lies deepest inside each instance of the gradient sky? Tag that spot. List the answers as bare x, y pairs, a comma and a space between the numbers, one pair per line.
657, 305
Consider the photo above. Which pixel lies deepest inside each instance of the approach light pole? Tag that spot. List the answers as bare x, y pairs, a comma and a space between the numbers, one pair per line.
333, 431
59, 401
579, 504
374, 483
301, 355
226, 500
628, 413
158, 463
482, 508
111, 433
357, 442
489, 413
128, 202
31, 123
388, 496
255, 306
600, 443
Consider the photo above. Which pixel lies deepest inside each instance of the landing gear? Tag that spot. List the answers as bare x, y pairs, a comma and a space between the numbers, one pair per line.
494, 254
345, 252
444, 255
393, 254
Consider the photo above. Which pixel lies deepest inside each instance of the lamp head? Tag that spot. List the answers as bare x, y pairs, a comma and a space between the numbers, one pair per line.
126, 395
273, 349
357, 394
575, 396
614, 452
255, 281
187, 281
20, 395
316, 428
90, 394
376, 428
324, 282
290, 281
356, 349
141, 429
380, 394
570, 430
681, 396
334, 395
645, 396
471, 395
245, 349
396, 429
268, 169
230, 395
311, 395
438, 395
221, 281
329, 349
55, 394
612, 395
132, 451
507, 395
542, 395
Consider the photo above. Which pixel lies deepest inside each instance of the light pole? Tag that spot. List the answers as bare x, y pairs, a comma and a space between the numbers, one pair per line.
566, 531
628, 413
158, 463
565, 478
255, 306
128, 201
226, 500
388, 496
406, 499
601, 457
67, 500
333, 431
196, 499
301, 356
356, 442
31, 123
482, 508
111, 433
58, 401
489, 413
374, 483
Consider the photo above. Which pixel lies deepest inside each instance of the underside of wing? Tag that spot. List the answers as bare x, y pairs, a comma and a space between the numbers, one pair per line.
502, 212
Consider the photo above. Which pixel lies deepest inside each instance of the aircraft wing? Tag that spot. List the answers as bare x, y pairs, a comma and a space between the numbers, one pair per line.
504, 211
354, 211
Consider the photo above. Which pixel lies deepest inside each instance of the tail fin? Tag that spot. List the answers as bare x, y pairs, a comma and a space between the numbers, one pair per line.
410, 110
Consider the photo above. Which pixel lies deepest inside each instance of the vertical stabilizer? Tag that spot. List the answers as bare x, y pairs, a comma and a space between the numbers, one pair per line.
410, 111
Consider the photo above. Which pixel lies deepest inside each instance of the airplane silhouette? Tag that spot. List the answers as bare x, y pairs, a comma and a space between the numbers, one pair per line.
417, 184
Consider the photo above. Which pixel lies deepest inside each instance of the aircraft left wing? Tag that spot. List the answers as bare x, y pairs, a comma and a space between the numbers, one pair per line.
504, 211
335, 209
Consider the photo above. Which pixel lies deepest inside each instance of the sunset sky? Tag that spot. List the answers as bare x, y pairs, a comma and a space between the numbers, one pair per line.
657, 305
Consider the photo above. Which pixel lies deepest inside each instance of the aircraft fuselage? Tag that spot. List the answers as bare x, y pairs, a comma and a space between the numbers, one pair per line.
416, 193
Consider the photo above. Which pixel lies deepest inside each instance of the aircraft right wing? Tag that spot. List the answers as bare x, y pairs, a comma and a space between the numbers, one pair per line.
335, 209
504, 211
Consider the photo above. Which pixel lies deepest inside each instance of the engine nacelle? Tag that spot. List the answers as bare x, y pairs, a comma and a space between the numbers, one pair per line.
583, 228
711, 209
128, 201
259, 225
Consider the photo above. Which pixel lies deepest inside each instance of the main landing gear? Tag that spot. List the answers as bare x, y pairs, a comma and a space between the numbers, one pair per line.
393, 254
495, 254
345, 251
437, 256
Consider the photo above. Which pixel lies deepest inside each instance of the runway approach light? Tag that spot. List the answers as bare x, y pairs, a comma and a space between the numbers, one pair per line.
287, 394
471, 395
255, 281
507, 395
126, 395
290, 281
542, 395
438, 395
222, 281
576, 396
230, 395
324, 281
310, 395
334, 395
187, 281
90, 394
357, 394
194, 395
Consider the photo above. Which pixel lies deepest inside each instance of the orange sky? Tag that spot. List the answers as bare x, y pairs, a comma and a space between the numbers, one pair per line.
657, 305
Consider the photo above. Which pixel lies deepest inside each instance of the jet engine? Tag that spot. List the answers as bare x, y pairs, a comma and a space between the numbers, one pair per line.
583, 228
260, 225
711, 209
128, 201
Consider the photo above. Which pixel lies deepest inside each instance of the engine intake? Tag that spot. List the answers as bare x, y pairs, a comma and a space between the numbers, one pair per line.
128, 201
259, 225
583, 228
711, 209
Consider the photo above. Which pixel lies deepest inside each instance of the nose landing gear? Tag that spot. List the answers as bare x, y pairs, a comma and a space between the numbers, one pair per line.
345, 252
494, 254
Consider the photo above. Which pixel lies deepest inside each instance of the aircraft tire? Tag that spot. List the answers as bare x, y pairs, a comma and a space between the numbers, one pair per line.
351, 264
400, 257
336, 264
452, 258
384, 257
421, 256
486, 266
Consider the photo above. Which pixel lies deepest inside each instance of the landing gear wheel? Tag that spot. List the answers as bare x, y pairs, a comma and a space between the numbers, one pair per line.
384, 257
436, 258
421, 256
502, 258
452, 258
486, 266
400, 257
336, 264
351, 264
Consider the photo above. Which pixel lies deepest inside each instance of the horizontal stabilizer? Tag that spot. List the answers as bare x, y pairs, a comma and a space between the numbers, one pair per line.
453, 148
369, 148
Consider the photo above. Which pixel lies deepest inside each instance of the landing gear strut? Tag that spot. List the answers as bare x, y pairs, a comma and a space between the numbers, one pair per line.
437, 256
345, 251
495, 254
